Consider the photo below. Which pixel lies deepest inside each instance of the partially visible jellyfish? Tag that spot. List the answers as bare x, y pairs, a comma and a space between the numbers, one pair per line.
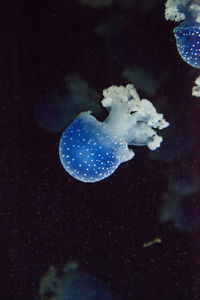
54, 108
196, 88
72, 285
180, 204
183, 213
145, 78
143, 5
184, 180
91, 150
187, 34
96, 3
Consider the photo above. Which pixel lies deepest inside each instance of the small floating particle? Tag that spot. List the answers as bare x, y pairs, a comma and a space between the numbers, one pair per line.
156, 240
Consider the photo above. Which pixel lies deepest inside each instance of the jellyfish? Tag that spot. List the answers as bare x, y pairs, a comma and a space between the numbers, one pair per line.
180, 204
96, 3
70, 283
196, 88
91, 150
146, 78
187, 34
53, 109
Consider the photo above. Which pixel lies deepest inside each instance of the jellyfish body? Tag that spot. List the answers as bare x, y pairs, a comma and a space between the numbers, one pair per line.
187, 34
91, 150
188, 43
82, 286
88, 150
72, 284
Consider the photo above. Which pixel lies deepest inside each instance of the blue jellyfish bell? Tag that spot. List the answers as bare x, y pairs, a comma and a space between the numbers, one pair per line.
91, 150
187, 36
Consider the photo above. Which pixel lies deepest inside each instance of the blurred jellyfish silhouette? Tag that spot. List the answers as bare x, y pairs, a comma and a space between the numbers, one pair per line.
115, 29
146, 79
73, 285
96, 3
181, 205
143, 5
91, 150
54, 109
182, 213
187, 34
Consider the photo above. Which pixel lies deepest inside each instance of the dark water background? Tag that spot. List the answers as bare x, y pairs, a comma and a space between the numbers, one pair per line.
49, 218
